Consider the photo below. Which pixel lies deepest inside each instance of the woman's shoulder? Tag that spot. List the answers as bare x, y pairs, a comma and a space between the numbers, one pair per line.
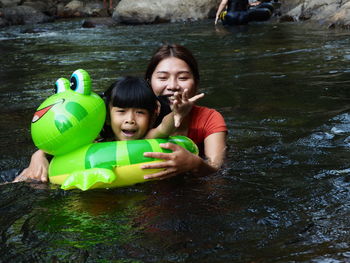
204, 122
204, 116
203, 112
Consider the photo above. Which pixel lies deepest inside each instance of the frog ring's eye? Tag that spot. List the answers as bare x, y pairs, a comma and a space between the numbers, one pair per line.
80, 82
61, 85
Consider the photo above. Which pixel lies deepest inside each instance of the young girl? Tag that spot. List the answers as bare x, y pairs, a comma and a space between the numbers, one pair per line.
133, 108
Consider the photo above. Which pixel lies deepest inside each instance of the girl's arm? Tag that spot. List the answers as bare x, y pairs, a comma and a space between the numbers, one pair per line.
37, 169
181, 107
220, 9
180, 160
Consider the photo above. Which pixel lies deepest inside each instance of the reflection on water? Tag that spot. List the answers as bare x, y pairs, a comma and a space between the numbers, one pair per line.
283, 194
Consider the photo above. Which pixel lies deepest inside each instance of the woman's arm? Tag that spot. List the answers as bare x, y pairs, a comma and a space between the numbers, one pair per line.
215, 149
37, 169
180, 160
255, 3
221, 7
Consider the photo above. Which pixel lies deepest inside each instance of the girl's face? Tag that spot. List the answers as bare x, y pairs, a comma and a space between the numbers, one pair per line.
171, 75
129, 123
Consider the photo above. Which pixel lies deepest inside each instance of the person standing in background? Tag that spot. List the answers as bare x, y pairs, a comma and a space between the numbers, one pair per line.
110, 4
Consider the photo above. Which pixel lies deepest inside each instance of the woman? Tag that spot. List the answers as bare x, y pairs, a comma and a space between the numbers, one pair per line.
171, 69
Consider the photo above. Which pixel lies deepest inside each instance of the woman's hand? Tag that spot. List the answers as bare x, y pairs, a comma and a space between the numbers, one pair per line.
37, 169
183, 105
177, 162
180, 160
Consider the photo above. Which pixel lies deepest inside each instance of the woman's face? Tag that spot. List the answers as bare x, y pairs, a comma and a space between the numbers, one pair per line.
171, 75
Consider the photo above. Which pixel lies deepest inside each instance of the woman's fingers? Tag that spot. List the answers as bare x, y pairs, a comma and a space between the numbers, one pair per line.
177, 98
158, 165
34, 172
196, 97
20, 177
182, 106
156, 155
163, 156
177, 121
29, 175
166, 165
160, 175
170, 146
37, 169
185, 95
174, 162
44, 176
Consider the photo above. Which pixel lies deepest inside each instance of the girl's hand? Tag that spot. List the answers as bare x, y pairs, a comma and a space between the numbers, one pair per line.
177, 162
37, 169
182, 106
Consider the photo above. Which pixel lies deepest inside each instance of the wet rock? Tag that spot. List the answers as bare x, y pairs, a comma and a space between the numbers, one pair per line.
21, 15
287, 5
32, 31
3, 22
88, 24
154, 11
286, 18
342, 17
98, 21
81, 9
329, 12
72, 9
75, 5
46, 7
9, 3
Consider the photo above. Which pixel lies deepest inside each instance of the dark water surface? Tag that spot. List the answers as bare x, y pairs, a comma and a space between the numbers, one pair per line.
284, 194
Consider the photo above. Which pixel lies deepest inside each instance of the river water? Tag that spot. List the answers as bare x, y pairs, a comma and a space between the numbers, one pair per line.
283, 195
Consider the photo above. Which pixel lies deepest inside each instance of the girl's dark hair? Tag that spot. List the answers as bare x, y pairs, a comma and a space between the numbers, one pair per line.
128, 92
176, 51
131, 92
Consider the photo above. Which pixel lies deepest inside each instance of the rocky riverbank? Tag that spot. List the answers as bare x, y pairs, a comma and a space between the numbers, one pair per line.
19, 12
328, 13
